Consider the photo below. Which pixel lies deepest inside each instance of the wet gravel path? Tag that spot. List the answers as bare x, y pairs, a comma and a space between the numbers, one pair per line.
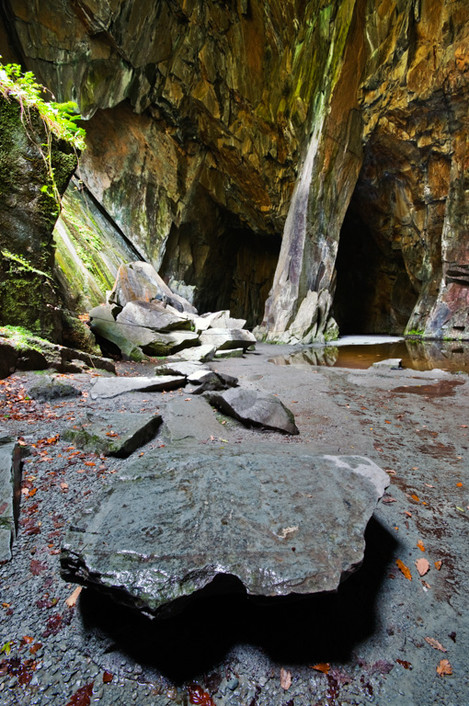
376, 641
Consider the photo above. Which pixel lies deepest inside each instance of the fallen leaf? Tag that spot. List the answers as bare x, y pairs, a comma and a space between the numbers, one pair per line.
405, 569
421, 545
82, 697
73, 597
444, 668
285, 679
388, 499
323, 667
404, 663
107, 677
459, 485
415, 498
438, 565
37, 567
435, 644
423, 566
406, 512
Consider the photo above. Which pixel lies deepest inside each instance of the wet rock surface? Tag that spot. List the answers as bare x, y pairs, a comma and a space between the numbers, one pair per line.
369, 635
281, 522
115, 434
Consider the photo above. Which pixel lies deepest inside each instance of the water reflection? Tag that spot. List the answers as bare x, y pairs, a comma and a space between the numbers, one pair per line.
452, 356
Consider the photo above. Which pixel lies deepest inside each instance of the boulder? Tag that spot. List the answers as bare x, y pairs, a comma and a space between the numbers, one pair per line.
112, 387
134, 340
116, 434
218, 319
48, 388
10, 480
140, 281
153, 315
103, 325
212, 381
253, 408
222, 338
284, 522
201, 354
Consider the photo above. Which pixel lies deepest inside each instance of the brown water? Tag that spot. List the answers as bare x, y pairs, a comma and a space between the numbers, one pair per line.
416, 355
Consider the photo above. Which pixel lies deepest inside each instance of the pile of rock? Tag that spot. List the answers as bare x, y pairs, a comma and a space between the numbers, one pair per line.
142, 316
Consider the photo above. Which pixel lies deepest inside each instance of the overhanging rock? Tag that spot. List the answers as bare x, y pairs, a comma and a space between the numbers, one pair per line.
282, 522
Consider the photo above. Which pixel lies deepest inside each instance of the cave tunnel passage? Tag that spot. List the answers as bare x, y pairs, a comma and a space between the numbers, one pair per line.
374, 294
230, 266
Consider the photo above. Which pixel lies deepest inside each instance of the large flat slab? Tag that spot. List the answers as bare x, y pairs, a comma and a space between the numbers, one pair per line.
283, 522
112, 387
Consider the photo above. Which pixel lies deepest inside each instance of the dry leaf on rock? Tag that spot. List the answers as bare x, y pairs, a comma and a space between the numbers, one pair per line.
444, 668
405, 569
421, 545
434, 643
285, 679
423, 566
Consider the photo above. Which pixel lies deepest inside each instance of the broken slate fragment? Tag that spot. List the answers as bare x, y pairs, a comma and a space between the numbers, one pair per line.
116, 434
254, 408
183, 367
283, 522
112, 387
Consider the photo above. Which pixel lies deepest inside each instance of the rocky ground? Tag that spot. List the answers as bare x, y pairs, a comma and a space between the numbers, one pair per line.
389, 635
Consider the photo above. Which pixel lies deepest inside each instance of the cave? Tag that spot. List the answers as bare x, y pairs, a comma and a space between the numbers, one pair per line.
374, 293
218, 262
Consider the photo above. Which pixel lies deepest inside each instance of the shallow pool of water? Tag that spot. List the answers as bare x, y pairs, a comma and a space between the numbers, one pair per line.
418, 355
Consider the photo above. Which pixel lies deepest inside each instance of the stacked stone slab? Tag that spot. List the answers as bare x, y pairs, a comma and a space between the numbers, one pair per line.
9, 492
142, 316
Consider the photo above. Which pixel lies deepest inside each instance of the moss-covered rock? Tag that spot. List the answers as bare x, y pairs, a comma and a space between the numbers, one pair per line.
28, 212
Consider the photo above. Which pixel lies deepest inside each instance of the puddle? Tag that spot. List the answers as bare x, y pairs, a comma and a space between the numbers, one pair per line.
451, 356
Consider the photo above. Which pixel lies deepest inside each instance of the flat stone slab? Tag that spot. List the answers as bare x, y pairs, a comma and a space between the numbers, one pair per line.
112, 387
116, 434
254, 408
283, 522
190, 418
10, 480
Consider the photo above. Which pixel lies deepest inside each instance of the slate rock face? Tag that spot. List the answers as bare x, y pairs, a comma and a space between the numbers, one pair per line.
282, 522
254, 408
10, 479
115, 435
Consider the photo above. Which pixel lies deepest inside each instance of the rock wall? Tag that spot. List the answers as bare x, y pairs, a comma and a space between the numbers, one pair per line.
29, 296
202, 117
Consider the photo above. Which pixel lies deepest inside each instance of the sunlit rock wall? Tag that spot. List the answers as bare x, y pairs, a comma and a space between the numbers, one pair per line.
203, 116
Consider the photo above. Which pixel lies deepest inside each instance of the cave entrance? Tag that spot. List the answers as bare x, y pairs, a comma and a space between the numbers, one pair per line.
374, 293
219, 263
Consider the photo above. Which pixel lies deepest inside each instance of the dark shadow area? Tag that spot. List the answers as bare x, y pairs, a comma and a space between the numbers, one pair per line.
229, 265
298, 629
374, 293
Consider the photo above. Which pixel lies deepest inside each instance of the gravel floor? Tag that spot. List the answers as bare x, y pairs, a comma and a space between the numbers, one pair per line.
379, 640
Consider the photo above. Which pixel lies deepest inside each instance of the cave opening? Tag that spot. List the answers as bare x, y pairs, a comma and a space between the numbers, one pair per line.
218, 262
374, 293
